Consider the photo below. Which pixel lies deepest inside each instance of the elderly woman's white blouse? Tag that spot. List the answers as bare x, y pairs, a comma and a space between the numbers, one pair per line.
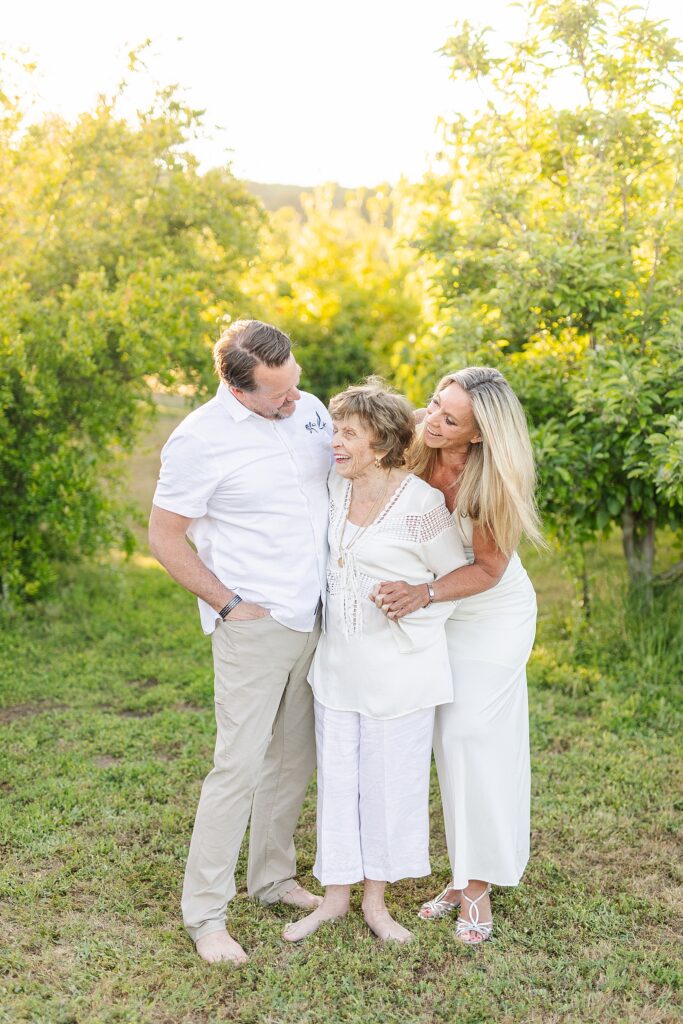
366, 662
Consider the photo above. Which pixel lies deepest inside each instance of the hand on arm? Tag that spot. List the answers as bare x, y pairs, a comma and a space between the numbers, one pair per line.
170, 547
399, 598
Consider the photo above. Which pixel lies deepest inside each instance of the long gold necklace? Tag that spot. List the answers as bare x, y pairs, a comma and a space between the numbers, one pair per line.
363, 526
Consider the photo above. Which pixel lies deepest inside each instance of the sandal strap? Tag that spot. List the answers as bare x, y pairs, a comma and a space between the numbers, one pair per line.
440, 906
483, 928
472, 923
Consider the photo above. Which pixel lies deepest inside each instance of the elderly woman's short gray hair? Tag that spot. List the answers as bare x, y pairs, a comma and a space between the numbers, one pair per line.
387, 415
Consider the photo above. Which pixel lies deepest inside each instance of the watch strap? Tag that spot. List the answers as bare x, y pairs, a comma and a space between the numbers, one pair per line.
232, 603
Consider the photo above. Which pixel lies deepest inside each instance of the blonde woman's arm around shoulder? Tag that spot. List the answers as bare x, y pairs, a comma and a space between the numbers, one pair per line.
400, 598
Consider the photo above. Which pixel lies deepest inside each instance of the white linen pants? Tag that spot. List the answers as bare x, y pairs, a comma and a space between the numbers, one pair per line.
263, 761
481, 740
373, 796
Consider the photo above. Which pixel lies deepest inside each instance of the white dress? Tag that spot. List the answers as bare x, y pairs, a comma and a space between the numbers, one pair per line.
364, 661
481, 739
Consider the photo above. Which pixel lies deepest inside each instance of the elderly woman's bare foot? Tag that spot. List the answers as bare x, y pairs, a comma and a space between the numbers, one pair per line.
299, 930
301, 898
335, 904
219, 947
380, 921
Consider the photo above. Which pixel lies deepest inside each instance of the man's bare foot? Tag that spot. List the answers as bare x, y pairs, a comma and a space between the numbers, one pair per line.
299, 930
380, 921
301, 898
219, 947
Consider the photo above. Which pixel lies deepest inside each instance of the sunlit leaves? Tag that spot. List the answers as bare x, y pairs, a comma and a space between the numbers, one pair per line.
335, 280
560, 209
117, 260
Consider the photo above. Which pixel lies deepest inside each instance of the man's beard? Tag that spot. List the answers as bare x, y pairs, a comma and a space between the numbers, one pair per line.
284, 415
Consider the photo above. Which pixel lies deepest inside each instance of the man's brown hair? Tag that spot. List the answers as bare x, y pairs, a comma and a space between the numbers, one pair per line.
243, 346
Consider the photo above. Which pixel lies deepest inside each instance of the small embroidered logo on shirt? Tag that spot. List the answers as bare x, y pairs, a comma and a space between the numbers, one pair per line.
313, 426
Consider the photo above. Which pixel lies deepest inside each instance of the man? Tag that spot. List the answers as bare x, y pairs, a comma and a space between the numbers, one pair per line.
244, 477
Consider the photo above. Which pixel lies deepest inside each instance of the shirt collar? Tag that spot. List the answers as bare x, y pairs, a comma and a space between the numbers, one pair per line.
238, 411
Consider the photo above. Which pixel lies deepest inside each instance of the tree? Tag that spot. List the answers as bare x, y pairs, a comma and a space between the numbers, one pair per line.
555, 242
117, 258
336, 280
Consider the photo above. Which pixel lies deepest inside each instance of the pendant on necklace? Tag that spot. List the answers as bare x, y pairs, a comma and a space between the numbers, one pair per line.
340, 561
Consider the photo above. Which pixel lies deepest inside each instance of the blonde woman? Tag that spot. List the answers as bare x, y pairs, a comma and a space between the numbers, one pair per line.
474, 447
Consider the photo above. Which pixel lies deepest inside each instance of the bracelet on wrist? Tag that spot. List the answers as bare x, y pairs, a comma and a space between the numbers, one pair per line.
432, 595
232, 603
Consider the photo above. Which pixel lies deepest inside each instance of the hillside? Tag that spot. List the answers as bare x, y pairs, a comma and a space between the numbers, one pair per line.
274, 196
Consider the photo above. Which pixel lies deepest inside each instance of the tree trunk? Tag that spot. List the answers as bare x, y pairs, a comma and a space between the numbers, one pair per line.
639, 545
585, 585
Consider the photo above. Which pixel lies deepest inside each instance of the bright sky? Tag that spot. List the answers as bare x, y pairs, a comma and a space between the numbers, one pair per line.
305, 91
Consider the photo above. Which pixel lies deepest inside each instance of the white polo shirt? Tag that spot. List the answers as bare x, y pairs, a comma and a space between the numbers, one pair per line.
257, 491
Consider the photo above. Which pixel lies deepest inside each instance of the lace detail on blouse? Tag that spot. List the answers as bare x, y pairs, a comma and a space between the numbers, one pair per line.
434, 523
348, 582
353, 587
405, 528
418, 529
335, 583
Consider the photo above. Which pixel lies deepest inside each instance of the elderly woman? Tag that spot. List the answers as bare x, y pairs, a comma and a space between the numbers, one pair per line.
377, 681
474, 449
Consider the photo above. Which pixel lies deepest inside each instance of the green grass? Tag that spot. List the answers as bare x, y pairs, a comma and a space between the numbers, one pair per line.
106, 718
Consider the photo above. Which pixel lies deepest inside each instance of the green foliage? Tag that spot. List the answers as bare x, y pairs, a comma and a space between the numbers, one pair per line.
117, 258
604, 424
551, 245
335, 280
555, 238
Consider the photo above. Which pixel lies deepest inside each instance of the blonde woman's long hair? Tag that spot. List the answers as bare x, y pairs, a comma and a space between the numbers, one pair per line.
497, 486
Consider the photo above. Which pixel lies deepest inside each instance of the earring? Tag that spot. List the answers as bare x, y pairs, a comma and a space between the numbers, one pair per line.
378, 462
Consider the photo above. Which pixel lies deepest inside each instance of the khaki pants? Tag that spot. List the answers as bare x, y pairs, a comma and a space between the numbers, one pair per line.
264, 758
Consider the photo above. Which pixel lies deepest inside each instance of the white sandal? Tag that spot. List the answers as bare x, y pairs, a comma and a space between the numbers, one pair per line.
432, 910
483, 928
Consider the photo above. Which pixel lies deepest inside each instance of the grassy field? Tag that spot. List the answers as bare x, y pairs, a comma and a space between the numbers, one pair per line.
106, 718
